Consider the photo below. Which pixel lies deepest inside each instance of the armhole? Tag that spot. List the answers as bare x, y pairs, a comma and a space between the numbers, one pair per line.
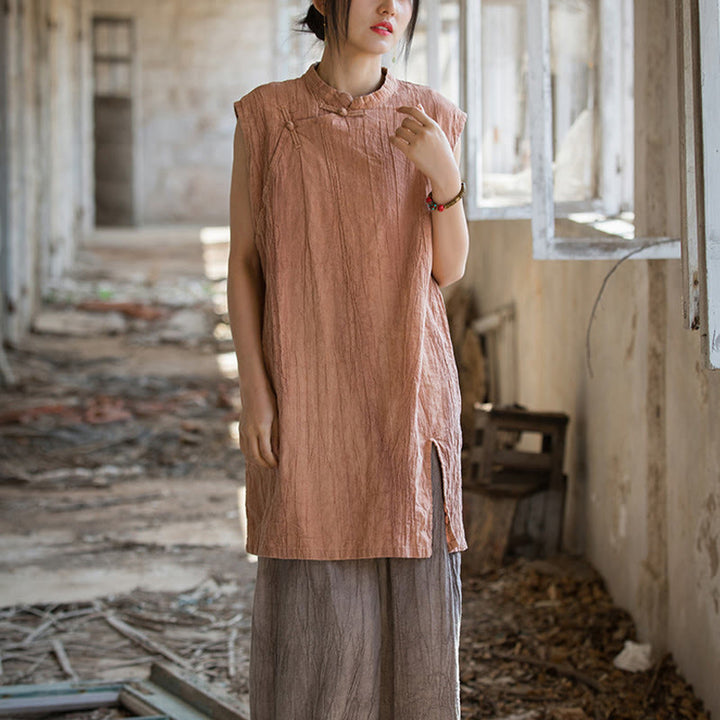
451, 118
250, 120
457, 123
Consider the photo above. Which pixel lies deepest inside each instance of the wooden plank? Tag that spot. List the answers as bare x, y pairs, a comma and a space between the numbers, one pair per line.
526, 422
520, 459
63, 696
487, 522
512, 413
193, 690
148, 697
168, 695
691, 170
62, 658
145, 697
143, 640
516, 486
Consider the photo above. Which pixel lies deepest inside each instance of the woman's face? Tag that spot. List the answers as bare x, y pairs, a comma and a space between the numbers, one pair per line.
365, 36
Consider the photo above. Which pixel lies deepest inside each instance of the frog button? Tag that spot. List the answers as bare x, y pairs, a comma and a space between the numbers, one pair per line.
290, 125
343, 111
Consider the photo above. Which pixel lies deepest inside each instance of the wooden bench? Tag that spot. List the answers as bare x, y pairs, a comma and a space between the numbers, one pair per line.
501, 480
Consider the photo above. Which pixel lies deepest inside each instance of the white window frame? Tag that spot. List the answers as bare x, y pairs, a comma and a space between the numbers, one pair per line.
542, 209
691, 162
706, 260
545, 244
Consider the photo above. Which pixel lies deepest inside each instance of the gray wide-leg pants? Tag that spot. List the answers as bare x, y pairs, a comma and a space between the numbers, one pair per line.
368, 639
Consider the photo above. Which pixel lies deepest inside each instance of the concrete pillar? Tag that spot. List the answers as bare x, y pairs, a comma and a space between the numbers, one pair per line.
657, 213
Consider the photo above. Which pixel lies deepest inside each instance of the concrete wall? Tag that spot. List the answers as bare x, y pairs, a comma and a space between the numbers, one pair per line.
45, 182
193, 60
643, 456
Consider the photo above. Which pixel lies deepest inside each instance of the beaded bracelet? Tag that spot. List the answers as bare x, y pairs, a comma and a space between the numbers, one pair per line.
432, 205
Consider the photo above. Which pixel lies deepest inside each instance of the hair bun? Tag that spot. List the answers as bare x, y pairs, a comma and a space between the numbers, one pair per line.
314, 21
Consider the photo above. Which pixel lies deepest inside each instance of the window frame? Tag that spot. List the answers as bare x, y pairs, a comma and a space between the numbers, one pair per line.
706, 262
541, 211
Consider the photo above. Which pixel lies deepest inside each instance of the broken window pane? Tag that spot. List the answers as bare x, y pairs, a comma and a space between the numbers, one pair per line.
503, 163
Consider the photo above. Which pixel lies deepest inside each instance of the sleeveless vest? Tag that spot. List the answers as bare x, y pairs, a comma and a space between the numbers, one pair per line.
355, 335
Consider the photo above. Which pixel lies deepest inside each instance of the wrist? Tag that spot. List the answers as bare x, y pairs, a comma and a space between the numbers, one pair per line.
433, 204
443, 189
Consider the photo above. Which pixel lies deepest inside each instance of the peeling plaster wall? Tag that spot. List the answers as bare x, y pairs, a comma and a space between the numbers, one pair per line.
45, 181
612, 513
643, 455
693, 463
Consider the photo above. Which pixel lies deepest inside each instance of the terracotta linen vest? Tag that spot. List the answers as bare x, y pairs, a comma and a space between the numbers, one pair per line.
355, 334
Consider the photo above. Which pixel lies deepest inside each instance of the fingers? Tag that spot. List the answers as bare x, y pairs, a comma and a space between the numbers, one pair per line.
266, 451
405, 134
416, 112
256, 447
412, 125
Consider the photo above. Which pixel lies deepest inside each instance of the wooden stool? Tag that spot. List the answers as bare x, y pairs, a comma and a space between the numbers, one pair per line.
499, 482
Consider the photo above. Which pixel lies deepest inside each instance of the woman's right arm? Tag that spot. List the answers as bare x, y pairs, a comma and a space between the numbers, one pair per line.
245, 295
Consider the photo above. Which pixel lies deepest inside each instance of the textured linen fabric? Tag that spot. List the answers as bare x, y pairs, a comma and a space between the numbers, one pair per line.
355, 334
369, 639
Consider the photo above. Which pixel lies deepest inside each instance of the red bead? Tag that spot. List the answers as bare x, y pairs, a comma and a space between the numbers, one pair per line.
441, 208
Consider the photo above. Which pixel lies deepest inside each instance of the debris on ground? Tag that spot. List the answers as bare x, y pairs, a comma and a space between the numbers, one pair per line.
538, 641
121, 486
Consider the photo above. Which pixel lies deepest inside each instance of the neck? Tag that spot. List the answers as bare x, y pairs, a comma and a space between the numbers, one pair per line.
356, 75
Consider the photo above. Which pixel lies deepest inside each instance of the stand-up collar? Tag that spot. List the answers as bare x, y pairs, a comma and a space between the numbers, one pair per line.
331, 96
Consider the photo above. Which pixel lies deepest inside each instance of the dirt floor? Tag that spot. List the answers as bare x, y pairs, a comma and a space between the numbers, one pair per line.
122, 509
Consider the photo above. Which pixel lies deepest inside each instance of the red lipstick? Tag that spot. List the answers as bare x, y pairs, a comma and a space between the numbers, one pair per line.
383, 28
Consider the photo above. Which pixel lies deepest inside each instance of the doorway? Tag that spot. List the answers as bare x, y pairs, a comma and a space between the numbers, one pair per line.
113, 50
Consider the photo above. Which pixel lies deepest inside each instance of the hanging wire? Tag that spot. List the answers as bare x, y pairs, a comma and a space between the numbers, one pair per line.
602, 288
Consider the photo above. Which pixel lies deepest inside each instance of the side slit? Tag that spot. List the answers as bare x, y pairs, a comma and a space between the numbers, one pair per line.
442, 485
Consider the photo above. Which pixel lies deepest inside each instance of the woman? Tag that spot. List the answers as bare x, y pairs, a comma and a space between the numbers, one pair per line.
346, 220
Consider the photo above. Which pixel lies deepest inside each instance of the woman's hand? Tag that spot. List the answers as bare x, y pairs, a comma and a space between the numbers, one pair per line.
424, 142
258, 428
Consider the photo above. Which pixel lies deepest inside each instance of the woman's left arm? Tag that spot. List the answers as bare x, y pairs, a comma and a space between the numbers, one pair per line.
425, 143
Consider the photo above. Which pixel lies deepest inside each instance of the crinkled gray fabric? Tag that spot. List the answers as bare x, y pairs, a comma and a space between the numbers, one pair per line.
364, 639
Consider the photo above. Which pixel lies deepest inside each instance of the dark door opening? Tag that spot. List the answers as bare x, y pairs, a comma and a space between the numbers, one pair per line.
113, 46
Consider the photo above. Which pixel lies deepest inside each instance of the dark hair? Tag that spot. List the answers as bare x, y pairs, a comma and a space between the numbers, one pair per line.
337, 14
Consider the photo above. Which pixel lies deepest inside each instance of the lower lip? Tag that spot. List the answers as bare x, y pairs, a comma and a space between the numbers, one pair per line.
381, 30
